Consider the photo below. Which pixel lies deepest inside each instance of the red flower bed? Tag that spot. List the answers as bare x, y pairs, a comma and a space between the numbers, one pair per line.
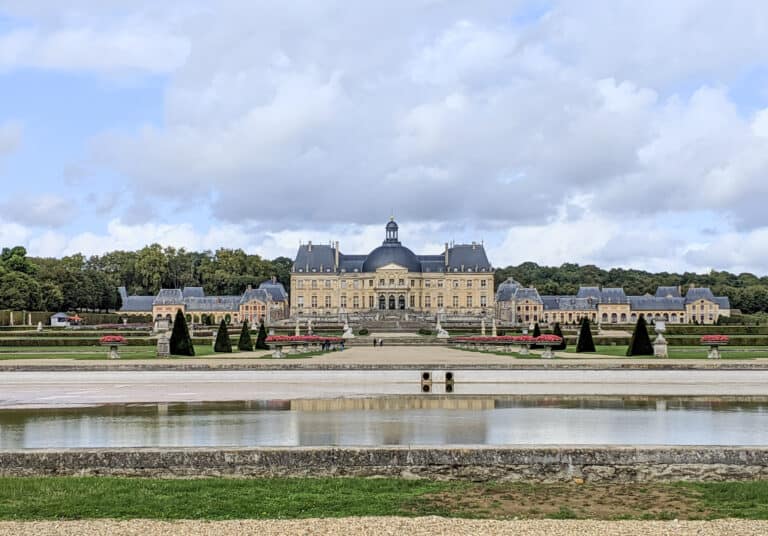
508, 339
112, 339
302, 338
549, 339
715, 339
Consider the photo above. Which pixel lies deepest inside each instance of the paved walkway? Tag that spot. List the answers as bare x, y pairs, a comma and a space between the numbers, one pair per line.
365, 526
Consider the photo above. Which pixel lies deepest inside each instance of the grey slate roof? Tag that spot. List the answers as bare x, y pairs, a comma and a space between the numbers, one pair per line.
213, 303
506, 290
527, 294
589, 292
169, 296
663, 292
653, 303
275, 289
255, 294
613, 295
699, 293
566, 303
317, 257
193, 292
723, 302
137, 304
322, 258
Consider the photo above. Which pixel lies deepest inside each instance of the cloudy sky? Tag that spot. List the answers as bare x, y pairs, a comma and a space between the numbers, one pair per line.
613, 132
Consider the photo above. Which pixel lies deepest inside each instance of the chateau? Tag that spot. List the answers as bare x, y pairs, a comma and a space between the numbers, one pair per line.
325, 281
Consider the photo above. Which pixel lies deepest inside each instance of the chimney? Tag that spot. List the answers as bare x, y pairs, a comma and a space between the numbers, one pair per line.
446, 253
274, 279
309, 246
249, 287
337, 255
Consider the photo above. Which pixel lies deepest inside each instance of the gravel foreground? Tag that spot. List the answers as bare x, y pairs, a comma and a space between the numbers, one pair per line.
385, 526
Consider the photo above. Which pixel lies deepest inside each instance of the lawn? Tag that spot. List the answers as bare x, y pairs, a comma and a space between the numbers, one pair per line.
686, 352
215, 498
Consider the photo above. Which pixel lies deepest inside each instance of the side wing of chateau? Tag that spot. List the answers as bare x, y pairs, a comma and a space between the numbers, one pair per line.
325, 281
269, 302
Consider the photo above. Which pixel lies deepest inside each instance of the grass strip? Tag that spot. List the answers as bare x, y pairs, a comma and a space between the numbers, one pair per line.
296, 498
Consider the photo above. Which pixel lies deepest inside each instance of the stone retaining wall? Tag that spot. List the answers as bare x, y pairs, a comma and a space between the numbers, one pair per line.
534, 464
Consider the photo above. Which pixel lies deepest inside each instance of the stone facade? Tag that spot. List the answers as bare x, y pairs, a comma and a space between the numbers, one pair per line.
518, 305
391, 277
525, 464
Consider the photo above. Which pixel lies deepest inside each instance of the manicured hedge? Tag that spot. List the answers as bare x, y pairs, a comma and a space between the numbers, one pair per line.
134, 341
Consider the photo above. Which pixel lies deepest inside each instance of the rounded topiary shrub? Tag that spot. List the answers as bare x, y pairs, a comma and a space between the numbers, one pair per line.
363, 331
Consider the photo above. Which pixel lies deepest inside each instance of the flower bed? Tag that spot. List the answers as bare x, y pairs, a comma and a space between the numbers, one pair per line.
715, 339
112, 339
501, 339
298, 339
548, 339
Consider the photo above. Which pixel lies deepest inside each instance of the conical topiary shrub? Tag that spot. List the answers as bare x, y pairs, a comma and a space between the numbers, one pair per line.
181, 342
261, 338
222, 345
245, 343
585, 342
536, 333
559, 332
640, 344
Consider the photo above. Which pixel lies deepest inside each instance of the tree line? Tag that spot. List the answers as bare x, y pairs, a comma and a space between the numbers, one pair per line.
746, 291
78, 283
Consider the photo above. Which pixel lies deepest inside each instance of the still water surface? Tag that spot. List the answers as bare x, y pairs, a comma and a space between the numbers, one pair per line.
518, 421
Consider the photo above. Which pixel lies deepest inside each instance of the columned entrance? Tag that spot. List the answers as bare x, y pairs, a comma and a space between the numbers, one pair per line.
401, 302
382, 302
391, 301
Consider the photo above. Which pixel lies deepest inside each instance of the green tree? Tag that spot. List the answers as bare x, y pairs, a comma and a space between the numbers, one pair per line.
585, 342
559, 332
536, 333
19, 291
261, 338
222, 345
640, 344
51, 297
181, 342
245, 343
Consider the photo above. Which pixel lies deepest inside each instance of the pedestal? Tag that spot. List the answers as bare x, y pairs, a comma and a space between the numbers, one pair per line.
113, 353
524, 350
660, 347
163, 346
277, 352
714, 353
547, 353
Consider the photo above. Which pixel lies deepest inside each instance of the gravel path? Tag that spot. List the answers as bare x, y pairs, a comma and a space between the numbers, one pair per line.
386, 526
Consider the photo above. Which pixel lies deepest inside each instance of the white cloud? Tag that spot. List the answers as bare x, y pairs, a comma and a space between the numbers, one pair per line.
45, 210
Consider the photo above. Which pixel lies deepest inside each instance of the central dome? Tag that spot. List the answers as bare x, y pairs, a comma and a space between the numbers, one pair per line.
391, 252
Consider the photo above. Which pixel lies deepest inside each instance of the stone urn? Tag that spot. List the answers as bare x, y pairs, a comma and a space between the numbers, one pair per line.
548, 342
714, 342
113, 342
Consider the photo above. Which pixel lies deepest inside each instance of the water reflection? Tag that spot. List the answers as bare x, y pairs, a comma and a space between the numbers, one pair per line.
431, 420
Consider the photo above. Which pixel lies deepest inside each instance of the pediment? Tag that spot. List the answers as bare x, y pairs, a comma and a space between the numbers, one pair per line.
392, 267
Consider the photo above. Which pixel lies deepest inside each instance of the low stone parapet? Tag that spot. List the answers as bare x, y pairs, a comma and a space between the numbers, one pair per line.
526, 464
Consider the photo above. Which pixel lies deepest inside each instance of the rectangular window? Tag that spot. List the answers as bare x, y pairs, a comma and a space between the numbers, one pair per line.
469, 283
427, 283
355, 301
381, 282
413, 283
439, 300
327, 302
327, 283
343, 300
357, 283
370, 282
300, 283
391, 282
483, 301
427, 301
440, 283
343, 283
455, 283
314, 283
370, 302
413, 301
301, 301
401, 282
314, 302
483, 283
469, 301
455, 301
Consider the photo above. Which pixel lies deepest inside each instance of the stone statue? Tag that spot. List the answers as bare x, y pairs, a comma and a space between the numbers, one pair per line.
660, 343
482, 327
39, 327
309, 327
297, 331
163, 345
493, 328
441, 333
347, 331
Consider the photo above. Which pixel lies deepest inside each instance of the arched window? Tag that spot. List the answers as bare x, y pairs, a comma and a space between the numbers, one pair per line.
605, 317
401, 302
623, 317
614, 318
391, 301
382, 302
